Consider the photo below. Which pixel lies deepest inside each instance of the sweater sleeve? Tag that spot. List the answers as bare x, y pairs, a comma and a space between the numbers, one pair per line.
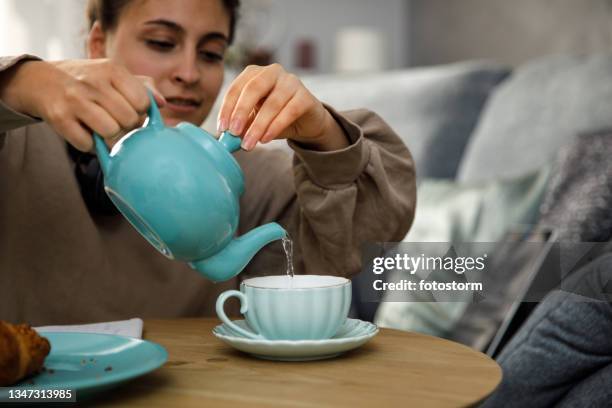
331, 203
9, 118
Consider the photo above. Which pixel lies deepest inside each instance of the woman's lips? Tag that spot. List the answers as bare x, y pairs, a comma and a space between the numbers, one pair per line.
183, 105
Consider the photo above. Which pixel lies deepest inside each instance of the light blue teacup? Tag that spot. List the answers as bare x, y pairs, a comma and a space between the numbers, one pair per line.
305, 307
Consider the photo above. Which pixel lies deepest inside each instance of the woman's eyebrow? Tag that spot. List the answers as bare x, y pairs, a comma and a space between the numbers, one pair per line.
214, 35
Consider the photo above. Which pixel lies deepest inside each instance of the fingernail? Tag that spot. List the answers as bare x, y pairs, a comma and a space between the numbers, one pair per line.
236, 127
244, 145
247, 143
222, 125
253, 135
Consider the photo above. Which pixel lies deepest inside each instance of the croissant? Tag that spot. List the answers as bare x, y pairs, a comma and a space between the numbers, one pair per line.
22, 352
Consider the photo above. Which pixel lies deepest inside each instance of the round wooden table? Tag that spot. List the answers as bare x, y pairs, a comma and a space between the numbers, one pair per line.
394, 369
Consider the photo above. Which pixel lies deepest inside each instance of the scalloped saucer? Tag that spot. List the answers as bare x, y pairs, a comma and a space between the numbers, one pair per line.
351, 335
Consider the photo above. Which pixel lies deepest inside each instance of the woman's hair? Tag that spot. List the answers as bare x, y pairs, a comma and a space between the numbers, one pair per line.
107, 13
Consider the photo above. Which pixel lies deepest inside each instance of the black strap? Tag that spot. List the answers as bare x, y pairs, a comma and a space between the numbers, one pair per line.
91, 182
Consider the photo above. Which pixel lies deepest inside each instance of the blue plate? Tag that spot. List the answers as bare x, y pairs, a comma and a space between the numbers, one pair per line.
88, 362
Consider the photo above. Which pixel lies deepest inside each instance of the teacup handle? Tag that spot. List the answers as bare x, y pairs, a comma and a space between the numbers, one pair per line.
244, 306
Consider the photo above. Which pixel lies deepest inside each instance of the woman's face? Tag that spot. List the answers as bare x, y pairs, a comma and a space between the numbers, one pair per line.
178, 43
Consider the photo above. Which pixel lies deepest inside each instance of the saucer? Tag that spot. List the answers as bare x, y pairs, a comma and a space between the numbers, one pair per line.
351, 335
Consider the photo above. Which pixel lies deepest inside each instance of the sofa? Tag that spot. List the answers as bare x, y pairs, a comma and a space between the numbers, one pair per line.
479, 130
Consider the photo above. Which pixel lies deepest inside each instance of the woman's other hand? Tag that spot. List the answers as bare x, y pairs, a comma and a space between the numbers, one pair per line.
77, 97
266, 103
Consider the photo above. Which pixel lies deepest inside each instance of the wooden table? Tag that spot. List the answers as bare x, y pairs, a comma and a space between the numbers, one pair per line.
394, 369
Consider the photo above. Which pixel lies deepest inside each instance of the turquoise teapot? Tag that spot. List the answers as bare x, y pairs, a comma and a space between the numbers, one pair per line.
180, 188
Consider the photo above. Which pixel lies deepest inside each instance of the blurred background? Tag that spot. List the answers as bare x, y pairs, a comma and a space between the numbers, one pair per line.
320, 36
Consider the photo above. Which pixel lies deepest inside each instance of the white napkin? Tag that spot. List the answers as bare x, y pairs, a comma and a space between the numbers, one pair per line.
130, 328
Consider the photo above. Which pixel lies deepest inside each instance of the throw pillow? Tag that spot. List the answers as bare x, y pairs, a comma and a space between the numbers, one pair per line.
540, 108
453, 212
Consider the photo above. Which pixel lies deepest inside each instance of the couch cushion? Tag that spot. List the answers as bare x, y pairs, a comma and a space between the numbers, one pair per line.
434, 110
542, 106
449, 212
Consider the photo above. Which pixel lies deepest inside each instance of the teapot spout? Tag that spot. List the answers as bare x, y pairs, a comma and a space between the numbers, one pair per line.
231, 260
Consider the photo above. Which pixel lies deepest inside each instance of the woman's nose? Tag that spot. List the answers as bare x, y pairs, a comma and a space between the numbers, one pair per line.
187, 70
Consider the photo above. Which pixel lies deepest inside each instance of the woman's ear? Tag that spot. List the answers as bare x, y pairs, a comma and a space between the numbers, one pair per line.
96, 42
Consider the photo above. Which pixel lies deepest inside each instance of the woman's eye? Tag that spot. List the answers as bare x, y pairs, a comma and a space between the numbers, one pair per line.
160, 45
211, 56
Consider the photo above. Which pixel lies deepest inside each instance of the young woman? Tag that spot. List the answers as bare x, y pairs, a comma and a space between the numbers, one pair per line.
63, 258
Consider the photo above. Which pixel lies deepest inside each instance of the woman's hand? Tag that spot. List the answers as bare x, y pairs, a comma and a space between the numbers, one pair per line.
80, 96
266, 103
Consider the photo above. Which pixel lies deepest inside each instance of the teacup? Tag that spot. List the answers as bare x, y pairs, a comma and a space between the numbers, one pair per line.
303, 307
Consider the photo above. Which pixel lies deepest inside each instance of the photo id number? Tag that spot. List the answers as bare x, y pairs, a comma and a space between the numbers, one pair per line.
37, 395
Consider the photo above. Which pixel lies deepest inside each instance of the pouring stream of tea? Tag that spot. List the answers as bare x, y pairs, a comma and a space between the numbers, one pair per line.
288, 247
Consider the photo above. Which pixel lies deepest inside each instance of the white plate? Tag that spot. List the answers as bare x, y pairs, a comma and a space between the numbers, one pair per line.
351, 335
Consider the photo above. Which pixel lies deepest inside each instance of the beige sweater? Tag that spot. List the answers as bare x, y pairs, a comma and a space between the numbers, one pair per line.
61, 264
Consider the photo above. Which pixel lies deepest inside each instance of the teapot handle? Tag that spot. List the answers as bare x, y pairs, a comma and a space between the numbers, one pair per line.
155, 118
155, 121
